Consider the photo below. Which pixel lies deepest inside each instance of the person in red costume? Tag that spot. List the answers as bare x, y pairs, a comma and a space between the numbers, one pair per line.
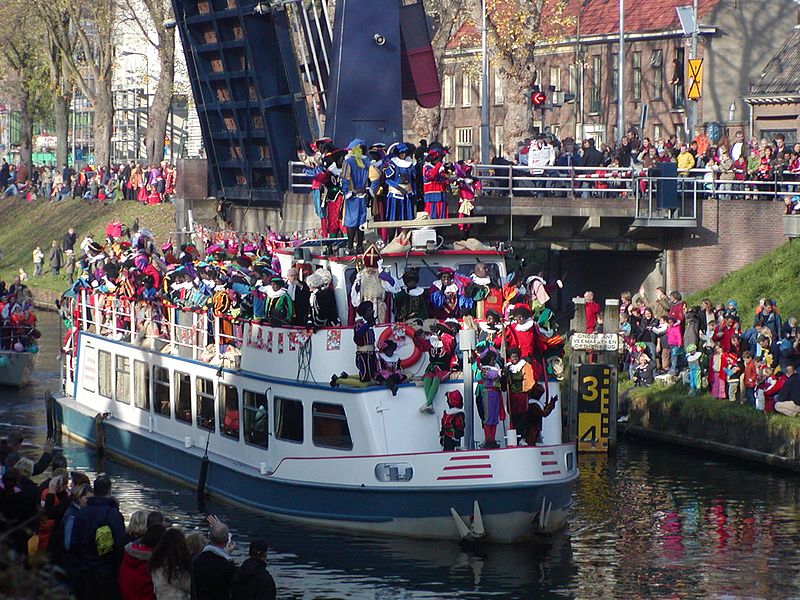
435, 179
523, 333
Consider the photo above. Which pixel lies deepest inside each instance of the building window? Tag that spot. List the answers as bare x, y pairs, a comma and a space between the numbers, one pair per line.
161, 391
104, 373
498, 140
466, 89
594, 94
329, 426
678, 100
572, 84
445, 137
615, 77
680, 132
657, 62
463, 143
656, 133
255, 419
229, 410
637, 76
499, 87
449, 94
122, 392
141, 385
555, 78
205, 403
289, 420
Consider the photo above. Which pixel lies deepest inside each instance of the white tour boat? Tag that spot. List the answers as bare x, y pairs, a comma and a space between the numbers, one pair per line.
279, 439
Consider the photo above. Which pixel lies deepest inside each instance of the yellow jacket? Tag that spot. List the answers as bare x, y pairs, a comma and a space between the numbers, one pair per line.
685, 162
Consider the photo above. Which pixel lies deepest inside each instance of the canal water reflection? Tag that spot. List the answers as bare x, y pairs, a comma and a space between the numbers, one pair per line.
648, 522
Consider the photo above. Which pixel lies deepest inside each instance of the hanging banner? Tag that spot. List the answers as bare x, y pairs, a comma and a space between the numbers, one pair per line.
594, 397
695, 79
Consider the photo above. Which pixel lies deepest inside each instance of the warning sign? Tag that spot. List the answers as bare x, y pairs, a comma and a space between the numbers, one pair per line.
594, 396
695, 78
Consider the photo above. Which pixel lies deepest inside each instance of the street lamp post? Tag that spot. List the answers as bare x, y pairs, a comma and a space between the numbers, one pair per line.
484, 88
621, 74
146, 97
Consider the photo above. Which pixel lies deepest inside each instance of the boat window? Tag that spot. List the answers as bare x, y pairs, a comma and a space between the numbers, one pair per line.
161, 402
401, 471
229, 410
288, 420
329, 426
122, 393
493, 268
205, 403
255, 419
183, 397
104, 373
141, 385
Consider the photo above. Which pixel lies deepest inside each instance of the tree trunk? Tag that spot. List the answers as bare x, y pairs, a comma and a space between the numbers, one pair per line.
518, 119
103, 123
162, 99
61, 115
25, 132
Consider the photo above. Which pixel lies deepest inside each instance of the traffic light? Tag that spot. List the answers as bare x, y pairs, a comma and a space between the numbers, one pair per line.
538, 98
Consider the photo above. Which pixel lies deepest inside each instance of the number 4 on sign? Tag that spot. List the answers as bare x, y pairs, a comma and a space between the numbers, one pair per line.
695, 78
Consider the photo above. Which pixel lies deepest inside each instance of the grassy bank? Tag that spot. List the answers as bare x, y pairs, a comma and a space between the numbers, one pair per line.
670, 410
24, 226
774, 275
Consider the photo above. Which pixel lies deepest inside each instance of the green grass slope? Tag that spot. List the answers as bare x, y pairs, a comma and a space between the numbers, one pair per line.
775, 275
23, 226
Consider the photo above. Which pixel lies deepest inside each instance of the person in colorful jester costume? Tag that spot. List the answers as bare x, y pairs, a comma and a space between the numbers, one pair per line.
435, 178
366, 355
400, 178
440, 344
454, 422
355, 187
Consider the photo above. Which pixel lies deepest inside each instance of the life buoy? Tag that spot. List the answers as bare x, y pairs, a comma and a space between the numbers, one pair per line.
408, 331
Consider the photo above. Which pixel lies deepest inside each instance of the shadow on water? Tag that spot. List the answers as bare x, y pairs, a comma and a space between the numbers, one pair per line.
649, 521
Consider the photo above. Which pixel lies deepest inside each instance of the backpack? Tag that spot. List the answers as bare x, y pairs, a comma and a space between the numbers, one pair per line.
103, 540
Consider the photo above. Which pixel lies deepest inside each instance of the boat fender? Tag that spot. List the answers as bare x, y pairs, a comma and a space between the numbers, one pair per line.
407, 331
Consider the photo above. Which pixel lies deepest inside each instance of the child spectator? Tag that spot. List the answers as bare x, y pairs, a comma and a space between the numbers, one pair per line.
693, 357
750, 378
644, 373
674, 339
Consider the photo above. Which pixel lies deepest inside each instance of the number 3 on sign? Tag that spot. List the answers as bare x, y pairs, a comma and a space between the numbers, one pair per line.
590, 395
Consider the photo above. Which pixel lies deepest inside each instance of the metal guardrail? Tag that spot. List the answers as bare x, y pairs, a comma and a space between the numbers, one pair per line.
638, 186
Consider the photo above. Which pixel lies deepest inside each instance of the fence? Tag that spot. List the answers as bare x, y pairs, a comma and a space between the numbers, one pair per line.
653, 195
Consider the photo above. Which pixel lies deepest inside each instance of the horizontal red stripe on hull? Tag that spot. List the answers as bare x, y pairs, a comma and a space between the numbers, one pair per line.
552, 473
453, 467
463, 477
549, 463
471, 457
548, 453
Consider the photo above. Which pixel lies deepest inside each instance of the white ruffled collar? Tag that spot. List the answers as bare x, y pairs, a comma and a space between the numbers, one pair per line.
517, 367
414, 292
402, 163
481, 280
526, 326
273, 294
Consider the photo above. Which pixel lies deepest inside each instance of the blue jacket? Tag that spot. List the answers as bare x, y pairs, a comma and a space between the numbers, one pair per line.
99, 511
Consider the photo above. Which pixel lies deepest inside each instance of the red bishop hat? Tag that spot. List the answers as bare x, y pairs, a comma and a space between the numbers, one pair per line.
371, 257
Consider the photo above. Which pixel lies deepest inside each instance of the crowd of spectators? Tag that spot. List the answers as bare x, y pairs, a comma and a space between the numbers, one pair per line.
48, 512
735, 167
734, 357
148, 184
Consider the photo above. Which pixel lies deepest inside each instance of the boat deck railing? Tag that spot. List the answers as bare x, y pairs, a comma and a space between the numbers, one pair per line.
185, 332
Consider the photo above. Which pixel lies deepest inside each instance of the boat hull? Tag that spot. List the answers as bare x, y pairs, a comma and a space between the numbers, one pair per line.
18, 372
511, 513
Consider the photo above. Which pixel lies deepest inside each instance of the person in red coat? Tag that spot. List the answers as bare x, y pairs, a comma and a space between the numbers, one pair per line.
592, 309
523, 333
725, 331
135, 581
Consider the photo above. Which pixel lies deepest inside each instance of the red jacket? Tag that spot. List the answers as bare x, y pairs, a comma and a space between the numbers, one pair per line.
592, 310
433, 180
135, 581
531, 344
750, 377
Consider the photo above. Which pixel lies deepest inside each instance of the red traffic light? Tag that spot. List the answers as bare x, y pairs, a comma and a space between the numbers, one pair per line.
538, 98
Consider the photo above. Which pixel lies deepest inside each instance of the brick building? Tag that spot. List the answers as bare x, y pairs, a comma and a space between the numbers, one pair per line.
775, 98
736, 41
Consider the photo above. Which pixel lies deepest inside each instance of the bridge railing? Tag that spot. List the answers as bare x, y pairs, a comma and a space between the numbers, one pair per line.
652, 194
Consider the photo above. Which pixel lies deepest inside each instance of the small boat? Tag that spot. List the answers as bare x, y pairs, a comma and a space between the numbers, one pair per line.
19, 355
